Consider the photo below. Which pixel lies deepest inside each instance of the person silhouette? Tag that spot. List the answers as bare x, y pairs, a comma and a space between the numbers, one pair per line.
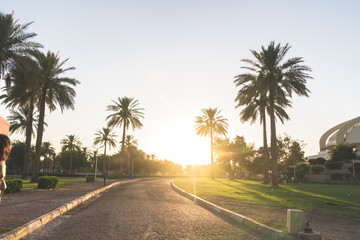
5, 148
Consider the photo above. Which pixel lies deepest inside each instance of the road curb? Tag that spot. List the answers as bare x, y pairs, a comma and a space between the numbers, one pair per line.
272, 233
41, 221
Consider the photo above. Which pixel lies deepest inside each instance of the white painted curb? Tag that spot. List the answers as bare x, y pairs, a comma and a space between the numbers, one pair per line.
272, 233
39, 222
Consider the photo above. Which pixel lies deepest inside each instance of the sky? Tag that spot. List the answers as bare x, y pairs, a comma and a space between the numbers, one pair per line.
177, 57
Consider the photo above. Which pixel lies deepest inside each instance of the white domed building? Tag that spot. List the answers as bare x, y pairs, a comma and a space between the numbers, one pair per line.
348, 132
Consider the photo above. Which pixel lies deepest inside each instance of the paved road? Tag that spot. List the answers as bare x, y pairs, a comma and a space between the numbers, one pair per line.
146, 209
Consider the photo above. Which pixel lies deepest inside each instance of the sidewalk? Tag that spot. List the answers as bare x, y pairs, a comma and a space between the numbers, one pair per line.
20, 208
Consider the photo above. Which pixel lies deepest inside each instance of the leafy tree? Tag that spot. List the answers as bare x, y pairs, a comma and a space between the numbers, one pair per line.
54, 91
15, 161
210, 124
22, 91
79, 160
14, 41
48, 154
256, 103
107, 138
343, 152
126, 114
279, 79
70, 144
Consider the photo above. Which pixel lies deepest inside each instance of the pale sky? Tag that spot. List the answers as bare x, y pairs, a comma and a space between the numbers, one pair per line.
177, 57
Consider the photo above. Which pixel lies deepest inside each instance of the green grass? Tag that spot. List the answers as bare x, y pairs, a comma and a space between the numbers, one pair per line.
334, 200
63, 182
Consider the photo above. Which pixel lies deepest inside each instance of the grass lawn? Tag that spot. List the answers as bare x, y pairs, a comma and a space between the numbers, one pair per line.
63, 182
325, 199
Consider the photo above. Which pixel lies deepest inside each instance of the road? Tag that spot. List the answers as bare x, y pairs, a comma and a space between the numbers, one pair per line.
144, 209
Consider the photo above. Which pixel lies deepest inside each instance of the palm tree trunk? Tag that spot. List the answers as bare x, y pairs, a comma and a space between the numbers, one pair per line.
274, 178
266, 150
122, 159
28, 139
104, 165
71, 156
212, 154
40, 130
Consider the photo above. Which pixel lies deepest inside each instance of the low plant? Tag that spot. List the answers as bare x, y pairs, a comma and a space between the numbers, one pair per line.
317, 161
317, 169
331, 164
337, 176
48, 182
89, 178
13, 185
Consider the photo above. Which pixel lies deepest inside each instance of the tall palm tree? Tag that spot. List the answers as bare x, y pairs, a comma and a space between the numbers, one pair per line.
13, 41
71, 143
210, 124
126, 114
19, 120
256, 104
105, 137
278, 80
55, 90
22, 90
48, 152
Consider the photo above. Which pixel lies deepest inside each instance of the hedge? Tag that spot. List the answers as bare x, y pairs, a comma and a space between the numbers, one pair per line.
317, 161
337, 176
13, 185
331, 164
89, 178
317, 169
47, 182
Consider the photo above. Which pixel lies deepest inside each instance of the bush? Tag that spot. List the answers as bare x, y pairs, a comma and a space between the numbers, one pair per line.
47, 182
113, 176
89, 178
317, 161
331, 164
317, 169
13, 185
337, 176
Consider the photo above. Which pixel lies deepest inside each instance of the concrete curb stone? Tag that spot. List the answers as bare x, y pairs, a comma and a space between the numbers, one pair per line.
248, 222
41, 221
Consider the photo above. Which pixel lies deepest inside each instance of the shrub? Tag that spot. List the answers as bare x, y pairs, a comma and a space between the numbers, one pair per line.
317, 161
343, 152
317, 169
304, 166
331, 164
13, 185
89, 178
337, 176
113, 176
47, 182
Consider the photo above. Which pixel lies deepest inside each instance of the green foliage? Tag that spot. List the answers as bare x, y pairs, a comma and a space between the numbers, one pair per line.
79, 160
337, 176
317, 169
317, 161
89, 178
15, 162
290, 151
47, 182
343, 152
13, 185
332, 164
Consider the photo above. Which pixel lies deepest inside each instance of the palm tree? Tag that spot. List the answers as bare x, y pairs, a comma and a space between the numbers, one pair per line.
48, 152
71, 143
13, 41
130, 142
256, 104
22, 91
19, 120
106, 137
278, 80
210, 124
54, 90
126, 114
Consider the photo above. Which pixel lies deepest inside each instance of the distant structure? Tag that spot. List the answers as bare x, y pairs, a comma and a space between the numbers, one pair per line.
348, 132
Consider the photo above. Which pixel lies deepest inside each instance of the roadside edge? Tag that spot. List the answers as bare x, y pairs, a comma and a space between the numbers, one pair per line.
41, 221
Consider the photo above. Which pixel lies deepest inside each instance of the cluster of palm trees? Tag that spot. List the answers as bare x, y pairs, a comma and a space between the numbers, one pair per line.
33, 81
126, 114
266, 89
